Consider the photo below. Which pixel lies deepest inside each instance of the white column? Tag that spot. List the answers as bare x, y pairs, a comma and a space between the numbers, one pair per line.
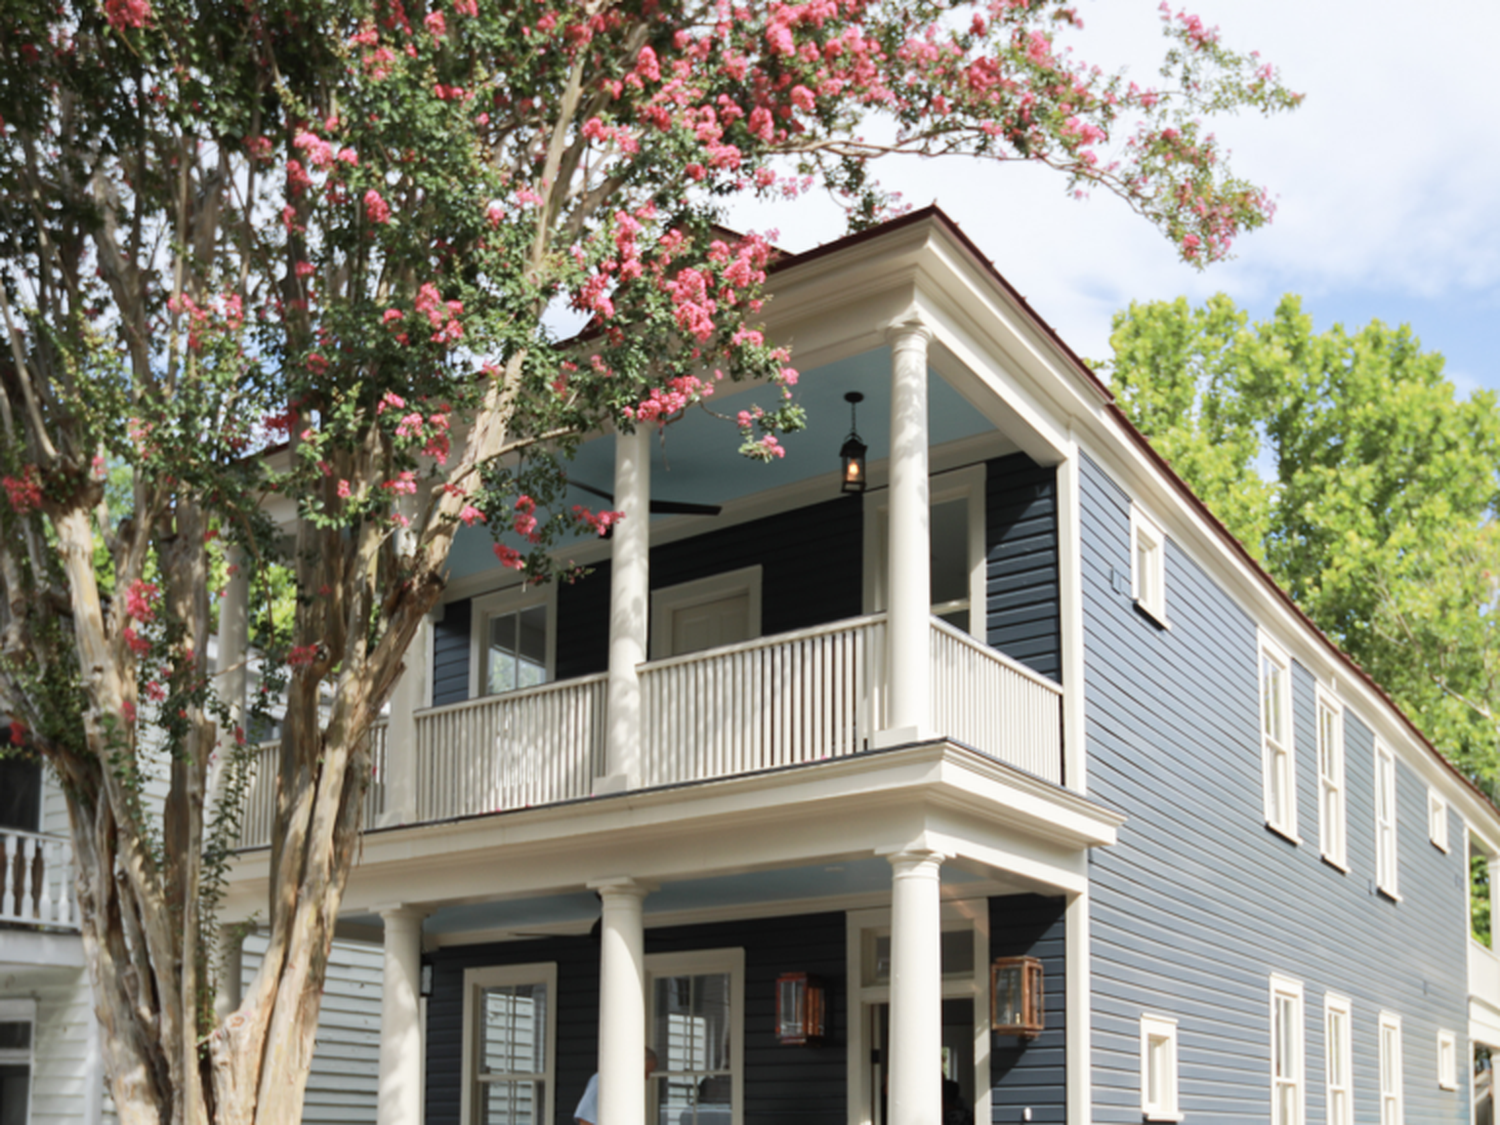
916, 1045
234, 635
400, 1019
629, 609
622, 1003
231, 970
409, 694
909, 561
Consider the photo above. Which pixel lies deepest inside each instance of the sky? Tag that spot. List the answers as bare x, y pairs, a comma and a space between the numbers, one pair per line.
1385, 181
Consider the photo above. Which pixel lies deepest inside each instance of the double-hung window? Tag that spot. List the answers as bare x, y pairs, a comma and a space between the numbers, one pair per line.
513, 640
17, 1025
695, 1026
1159, 1068
1332, 827
510, 1037
1391, 1108
1287, 1088
1338, 1053
1276, 739
1385, 819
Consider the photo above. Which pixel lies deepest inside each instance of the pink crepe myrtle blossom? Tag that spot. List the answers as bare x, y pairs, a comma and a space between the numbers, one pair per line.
134, 641
140, 600
598, 522
376, 208
468, 514
509, 557
302, 656
23, 492
123, 14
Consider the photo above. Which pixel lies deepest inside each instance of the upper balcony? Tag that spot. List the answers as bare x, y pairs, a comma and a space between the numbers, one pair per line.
36, 880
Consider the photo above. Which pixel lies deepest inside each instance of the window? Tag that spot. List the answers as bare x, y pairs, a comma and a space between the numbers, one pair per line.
1447, 1060
1276, 739
1286, 1051
723, 609
1437, 819
1159, 1068
509, 1033
1391, 1109
1148, 565
20, 791
1332, 829
1385, 820
513, 642
17, 1023
956, 560
696, 1028
1338, 1037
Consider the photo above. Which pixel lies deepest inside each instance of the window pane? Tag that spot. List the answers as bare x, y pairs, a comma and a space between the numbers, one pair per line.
513, 1030
531, 646
14, 1036
512, 1103
950, 551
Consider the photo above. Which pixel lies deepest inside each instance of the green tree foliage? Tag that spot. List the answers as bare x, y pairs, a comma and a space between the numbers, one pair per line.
1352, 469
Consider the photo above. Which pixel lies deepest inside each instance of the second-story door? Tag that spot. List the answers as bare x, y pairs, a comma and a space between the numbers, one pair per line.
711, 624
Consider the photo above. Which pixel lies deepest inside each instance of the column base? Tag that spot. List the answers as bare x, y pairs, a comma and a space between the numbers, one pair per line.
900, 736
609, 783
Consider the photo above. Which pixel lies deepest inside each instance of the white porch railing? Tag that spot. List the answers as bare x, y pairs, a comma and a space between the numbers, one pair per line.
36, 879
509, 751
1484, 974
260, 789
986, 700
777, 701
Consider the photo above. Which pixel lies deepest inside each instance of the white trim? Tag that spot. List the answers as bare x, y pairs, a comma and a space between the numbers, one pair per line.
1390, 1093
1162, 1030
1333, 789
1071, 623
1334, 1004
1447, 1059
727, 584
22, 1011
1437, 819
1287, 989
1078, 1009
511, 599
1279, 747
492, 976
1148, 583
692, 963
1387, 837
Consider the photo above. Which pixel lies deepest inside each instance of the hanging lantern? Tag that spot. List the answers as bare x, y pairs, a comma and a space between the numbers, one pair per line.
853, 451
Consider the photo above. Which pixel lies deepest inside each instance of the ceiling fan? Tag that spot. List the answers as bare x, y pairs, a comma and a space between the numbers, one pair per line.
658, 507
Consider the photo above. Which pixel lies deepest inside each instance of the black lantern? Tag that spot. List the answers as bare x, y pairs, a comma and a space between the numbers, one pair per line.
1016, 996
853, 451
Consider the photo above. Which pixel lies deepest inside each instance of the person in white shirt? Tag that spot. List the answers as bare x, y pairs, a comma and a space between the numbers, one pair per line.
587, 1112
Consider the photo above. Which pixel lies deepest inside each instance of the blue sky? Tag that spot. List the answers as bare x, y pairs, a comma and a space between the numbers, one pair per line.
1386, 181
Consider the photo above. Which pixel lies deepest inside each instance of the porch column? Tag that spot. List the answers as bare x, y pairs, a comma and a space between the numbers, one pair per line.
622, 1003
916, 1044
234, 636
231, 970
629, 607
399, 771
908, 551
400, 1019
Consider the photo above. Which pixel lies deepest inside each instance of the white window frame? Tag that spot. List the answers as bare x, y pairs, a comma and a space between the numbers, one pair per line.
1148, 582
942, 487
1333, 812
1159, 1045
1392, 1101
1447, 1059
693, 963
1437, 819
1338, 1027
512, 599
716, 587
1387, 840
1284, 989
494, 976
1278, 748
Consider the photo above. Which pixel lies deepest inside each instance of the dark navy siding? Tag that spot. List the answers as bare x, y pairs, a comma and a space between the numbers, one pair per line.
1199, 902
450, 654
792, 1085
1031, 1074
1021, 563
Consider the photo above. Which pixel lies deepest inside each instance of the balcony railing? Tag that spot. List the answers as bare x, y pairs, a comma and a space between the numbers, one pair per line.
36, 880
260, 789
784, 700
1484, 974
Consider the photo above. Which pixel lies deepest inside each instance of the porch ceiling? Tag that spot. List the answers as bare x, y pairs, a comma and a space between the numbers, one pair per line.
697, 462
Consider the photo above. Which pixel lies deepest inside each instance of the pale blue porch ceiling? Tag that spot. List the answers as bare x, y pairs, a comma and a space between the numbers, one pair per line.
698, 461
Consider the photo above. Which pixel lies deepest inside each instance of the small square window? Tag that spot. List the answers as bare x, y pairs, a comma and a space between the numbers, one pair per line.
1148, 566
1159, 1068
1447, 1060
1437, 819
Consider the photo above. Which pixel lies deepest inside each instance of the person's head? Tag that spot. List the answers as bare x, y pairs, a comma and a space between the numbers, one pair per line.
650, 1061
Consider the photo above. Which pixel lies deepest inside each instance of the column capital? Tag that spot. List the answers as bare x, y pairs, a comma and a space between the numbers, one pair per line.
621, 886
915, 860
399, 912
910, 329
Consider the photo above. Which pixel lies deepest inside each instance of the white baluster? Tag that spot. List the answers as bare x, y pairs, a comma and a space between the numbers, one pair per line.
45, 906
25, 902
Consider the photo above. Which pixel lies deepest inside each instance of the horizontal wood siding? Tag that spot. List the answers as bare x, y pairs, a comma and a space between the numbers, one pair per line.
1199, 902
450, 654
1031, 1074
1020, 545
783, 1085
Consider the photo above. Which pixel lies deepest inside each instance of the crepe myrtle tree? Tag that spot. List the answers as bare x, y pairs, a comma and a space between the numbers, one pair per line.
302, 258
